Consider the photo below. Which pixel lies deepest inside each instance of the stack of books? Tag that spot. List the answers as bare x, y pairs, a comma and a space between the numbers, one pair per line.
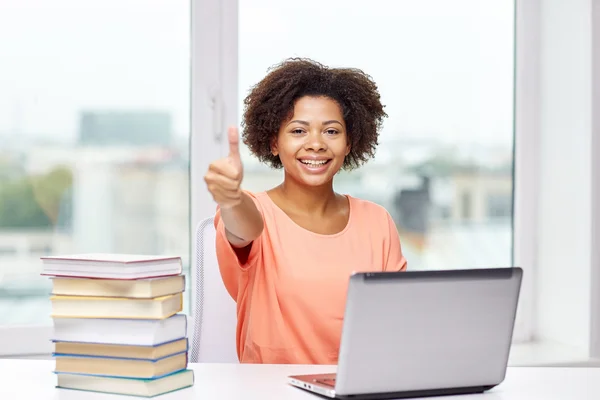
118, 326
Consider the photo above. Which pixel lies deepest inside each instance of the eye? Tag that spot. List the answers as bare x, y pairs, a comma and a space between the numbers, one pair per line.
332, 131
297, 131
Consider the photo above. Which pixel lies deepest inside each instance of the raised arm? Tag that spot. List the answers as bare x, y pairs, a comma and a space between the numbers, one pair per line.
243, 222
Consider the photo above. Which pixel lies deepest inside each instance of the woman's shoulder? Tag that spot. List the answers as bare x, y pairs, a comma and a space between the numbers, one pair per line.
366, 208
368, 216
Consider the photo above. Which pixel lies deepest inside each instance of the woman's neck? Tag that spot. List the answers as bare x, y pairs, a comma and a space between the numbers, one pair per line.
308, 199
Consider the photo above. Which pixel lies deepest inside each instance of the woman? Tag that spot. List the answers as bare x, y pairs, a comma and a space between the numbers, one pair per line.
285, 255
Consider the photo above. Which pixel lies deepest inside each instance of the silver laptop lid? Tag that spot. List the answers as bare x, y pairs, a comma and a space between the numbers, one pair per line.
422, 330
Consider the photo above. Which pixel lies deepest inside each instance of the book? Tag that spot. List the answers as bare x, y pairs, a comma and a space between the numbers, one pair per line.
120, 350
117, 327
124, 386
140, 288
122, 367
136, 332
113, 307
111, 266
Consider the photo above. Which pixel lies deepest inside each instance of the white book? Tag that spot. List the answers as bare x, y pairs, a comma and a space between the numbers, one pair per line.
139, 332
111, 266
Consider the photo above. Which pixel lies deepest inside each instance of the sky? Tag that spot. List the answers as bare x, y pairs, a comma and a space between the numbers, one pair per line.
444, 68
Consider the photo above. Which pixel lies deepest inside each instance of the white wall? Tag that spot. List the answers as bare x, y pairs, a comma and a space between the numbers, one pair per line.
595, 277
564, 222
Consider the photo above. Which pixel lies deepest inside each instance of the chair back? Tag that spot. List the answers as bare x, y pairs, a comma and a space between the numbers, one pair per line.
214, 313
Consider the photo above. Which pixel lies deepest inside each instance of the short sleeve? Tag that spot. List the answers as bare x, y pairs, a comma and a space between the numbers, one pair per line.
229, 263
395, 259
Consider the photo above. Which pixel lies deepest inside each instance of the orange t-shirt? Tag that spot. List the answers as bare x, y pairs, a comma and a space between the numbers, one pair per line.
291, 291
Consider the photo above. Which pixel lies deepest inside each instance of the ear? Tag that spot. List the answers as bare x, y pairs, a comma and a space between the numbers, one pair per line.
348, 149
274, 149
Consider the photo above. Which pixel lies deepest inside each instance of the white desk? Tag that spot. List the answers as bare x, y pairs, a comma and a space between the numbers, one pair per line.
34, 380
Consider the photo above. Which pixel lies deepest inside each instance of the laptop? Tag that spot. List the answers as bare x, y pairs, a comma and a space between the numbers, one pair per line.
422, 333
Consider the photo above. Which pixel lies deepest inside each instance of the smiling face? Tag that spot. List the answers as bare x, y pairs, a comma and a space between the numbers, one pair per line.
313, 143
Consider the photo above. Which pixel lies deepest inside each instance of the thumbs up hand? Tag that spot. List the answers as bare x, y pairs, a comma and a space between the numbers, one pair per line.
224, 176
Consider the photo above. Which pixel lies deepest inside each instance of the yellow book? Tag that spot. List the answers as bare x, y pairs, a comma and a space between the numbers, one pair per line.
121, 351
120, 366
116, 307
134, 288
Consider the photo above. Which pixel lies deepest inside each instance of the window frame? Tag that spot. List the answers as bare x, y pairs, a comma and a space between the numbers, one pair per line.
526, 169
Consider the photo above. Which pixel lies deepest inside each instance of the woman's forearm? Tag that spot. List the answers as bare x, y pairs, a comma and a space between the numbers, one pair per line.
243, 222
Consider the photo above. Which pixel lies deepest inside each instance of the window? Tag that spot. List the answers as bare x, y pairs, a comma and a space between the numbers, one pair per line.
499, 205
94, 138
467, 205
102, 118
445, 73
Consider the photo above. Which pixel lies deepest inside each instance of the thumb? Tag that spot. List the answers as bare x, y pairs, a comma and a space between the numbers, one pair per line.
234, 143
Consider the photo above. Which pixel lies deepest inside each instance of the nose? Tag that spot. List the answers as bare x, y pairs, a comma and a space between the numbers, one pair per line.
315, 142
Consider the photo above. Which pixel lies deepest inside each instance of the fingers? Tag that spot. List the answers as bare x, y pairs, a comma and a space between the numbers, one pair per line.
227, 169
222, 181
226, 200
225, 197
234, 143
225, 191
224, 176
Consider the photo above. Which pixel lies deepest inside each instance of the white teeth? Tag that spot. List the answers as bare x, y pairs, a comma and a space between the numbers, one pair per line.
313, 162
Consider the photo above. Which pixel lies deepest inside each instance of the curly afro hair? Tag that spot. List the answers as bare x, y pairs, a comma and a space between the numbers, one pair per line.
272, 100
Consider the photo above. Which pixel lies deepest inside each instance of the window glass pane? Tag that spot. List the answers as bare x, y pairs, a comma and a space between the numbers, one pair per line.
94, 137
443, 168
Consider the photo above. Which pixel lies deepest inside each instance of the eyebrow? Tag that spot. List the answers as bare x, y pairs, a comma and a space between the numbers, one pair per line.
331, 121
